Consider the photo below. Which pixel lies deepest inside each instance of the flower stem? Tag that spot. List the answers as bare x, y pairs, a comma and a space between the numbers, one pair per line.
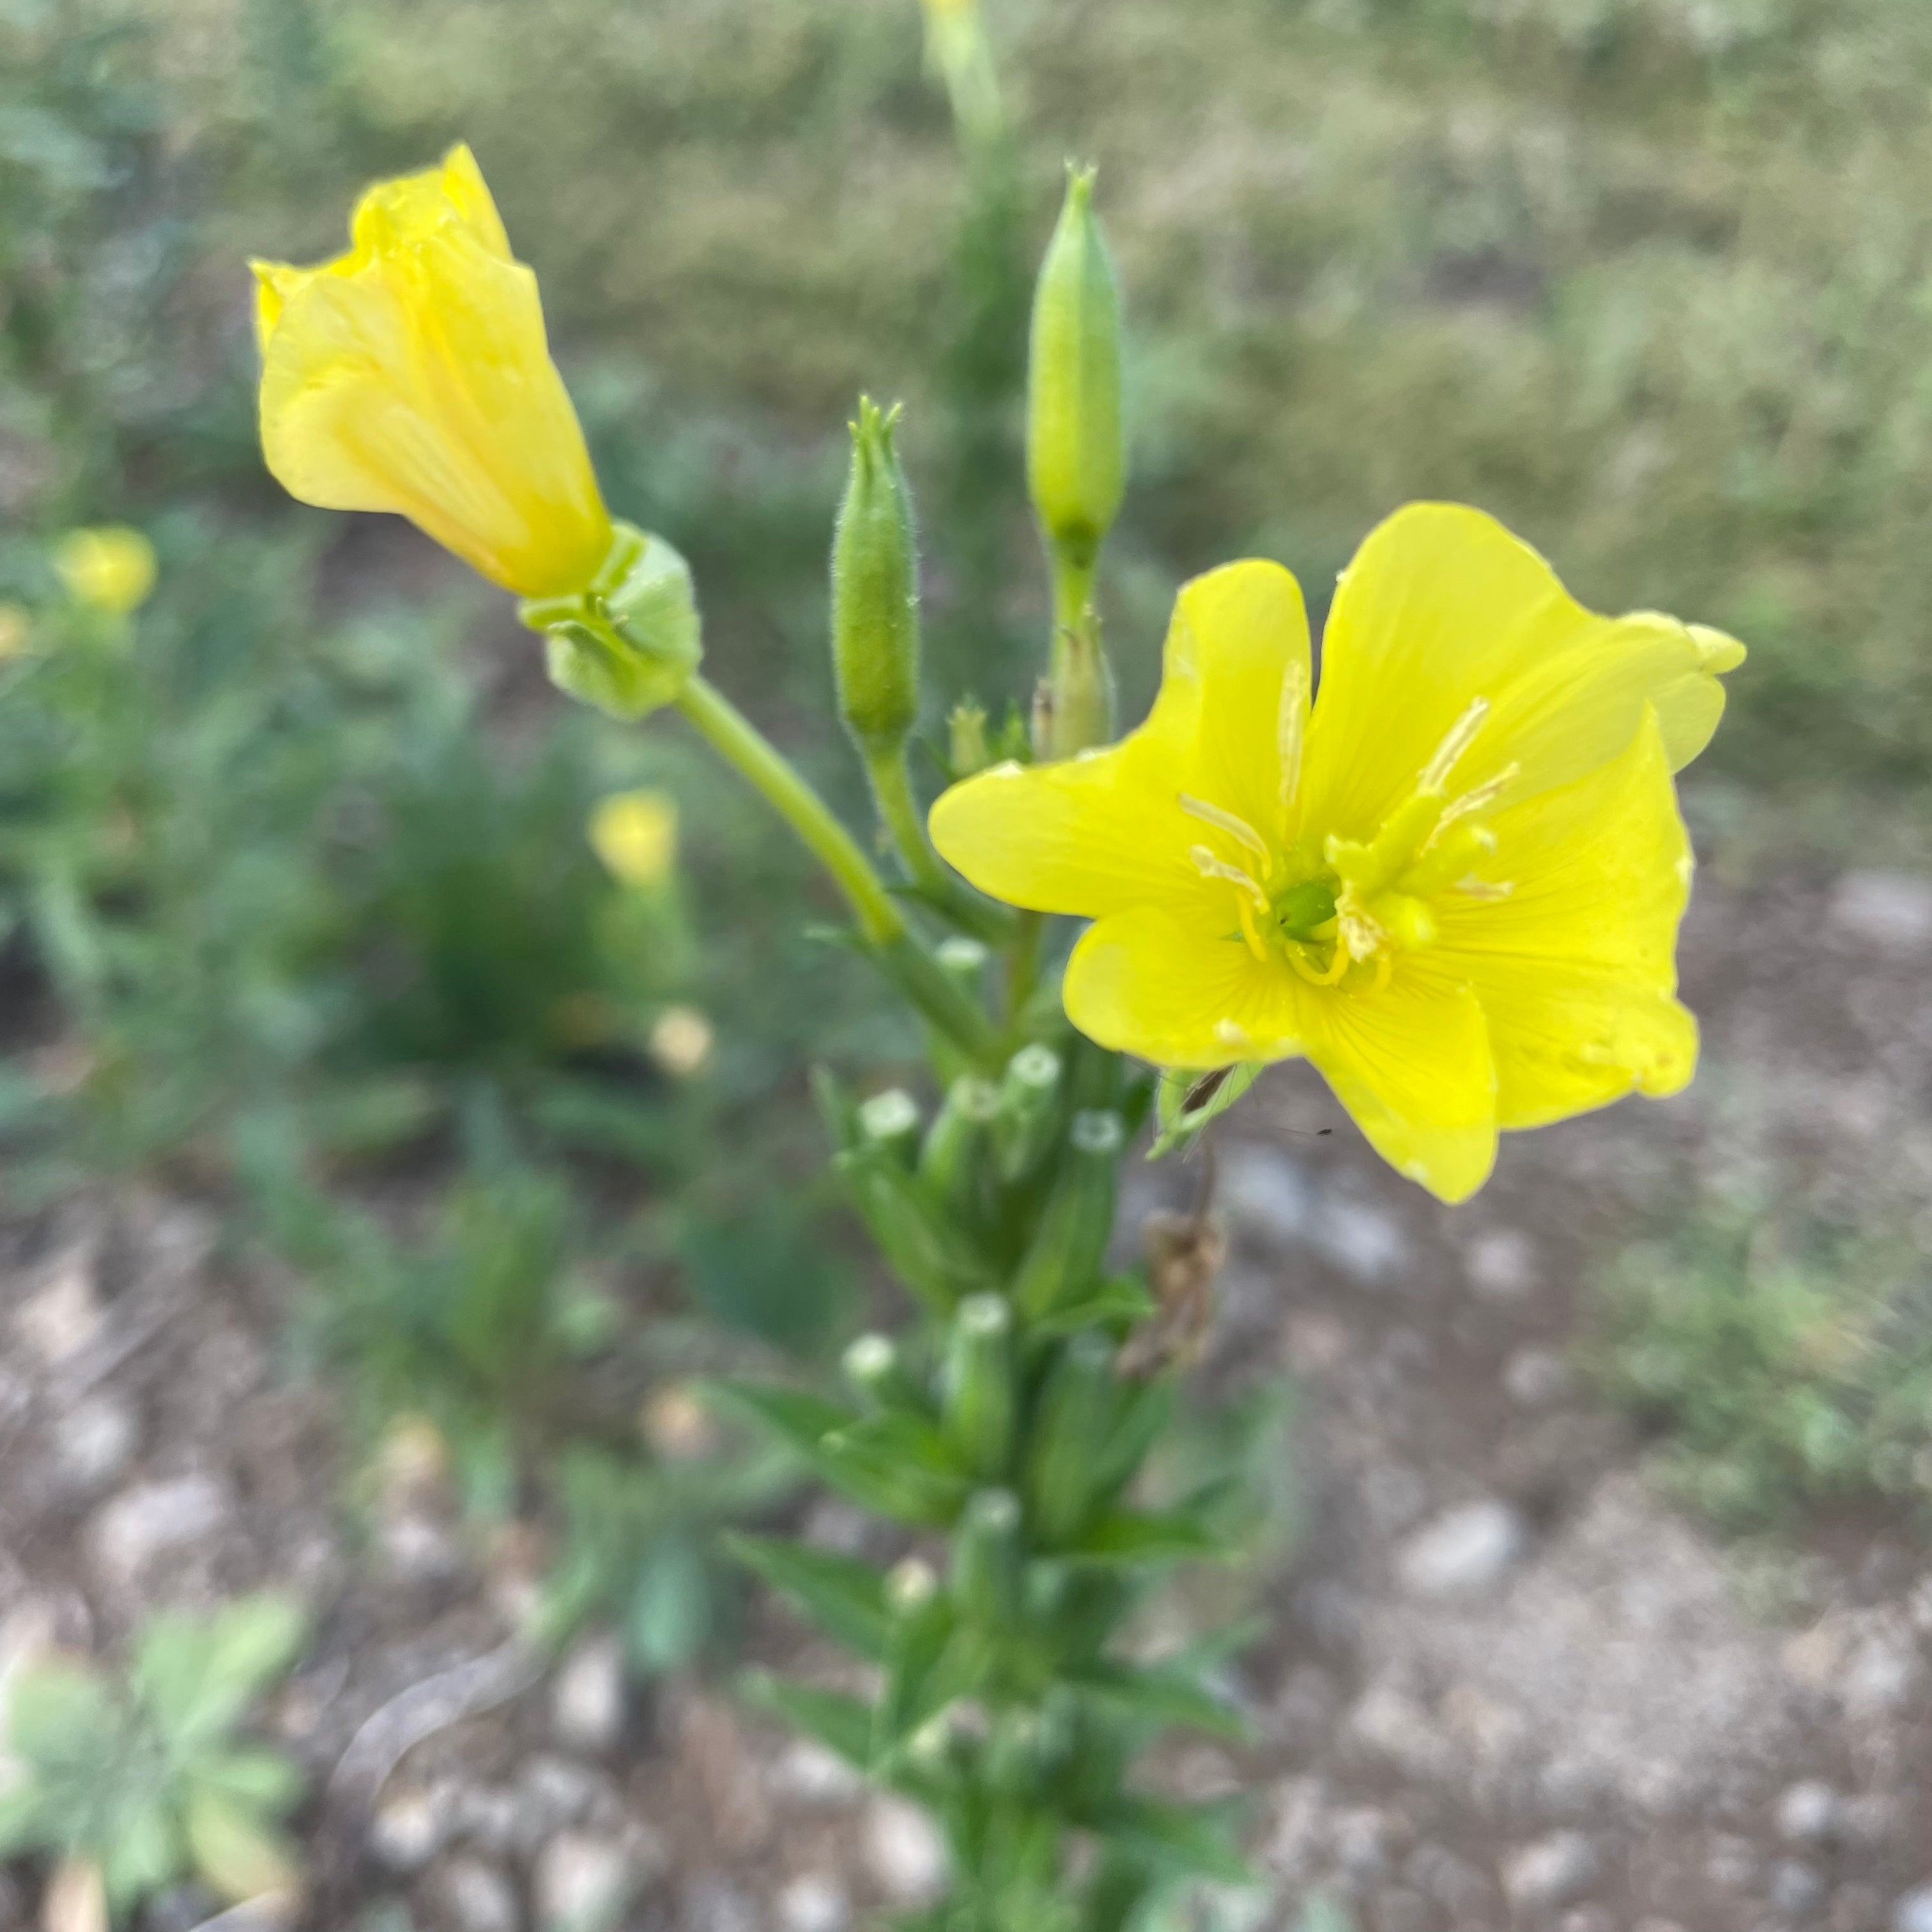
1081, 683
740, 743
898, 812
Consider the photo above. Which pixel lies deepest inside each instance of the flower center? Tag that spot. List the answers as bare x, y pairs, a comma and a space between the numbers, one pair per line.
1365, 900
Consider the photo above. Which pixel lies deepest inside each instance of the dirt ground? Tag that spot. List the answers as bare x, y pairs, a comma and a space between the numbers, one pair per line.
1509, 1685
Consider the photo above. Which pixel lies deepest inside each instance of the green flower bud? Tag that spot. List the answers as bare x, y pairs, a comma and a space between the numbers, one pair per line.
890, 1120
629, 643
1075, 455
979, 1403
1070, 1243
922, 1244
873, 1367
966, 750
964, 961
1076, 1413
875, 592
949, 1163
1028, 1111
988, 1562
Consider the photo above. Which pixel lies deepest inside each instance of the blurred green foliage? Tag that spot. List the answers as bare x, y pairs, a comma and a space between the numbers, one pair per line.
1790, 1361
143, 1777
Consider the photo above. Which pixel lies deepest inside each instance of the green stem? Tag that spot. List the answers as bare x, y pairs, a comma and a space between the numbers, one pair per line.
898, 812
1082, 685
740, 743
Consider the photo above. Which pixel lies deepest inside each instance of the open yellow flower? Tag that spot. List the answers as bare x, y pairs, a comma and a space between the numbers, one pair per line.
413, 375
634, 833
1454, 884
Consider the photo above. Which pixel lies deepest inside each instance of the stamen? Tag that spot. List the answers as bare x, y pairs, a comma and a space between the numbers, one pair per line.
1212, 868
1246, 913
1461, 734
1290, 733
1361, 936
1339, 963
1478, 799
1238, 828
1474, 888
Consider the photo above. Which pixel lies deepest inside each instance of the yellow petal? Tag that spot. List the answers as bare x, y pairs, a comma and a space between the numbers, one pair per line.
413, 375
1179, 992
1441, 606
1106, 831
1575, 969
1411, 1063
1235, 634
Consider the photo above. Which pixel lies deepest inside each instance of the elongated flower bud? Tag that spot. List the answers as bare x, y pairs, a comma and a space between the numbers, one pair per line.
987, 1561
875, 592
874, 1368
922, 1244
966, 750
889, 1121
1076, 454
1071, 1241
1028, 1110
1075, 1413
947, 1163
980, 1401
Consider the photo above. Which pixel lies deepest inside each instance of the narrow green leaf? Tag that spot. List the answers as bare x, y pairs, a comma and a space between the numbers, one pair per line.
802, 1419
1133, 1536
842, 1724
1160, 1694
843, 1596
1192, 1839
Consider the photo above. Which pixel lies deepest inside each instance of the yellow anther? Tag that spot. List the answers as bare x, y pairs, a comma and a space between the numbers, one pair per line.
1212, 868
1480, 797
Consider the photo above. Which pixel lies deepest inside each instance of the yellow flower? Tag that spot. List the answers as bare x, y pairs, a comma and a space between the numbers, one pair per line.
1454, 884
110, 568
411, 374
635, 835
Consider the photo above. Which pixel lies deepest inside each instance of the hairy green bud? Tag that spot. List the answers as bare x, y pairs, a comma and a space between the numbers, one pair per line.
875, 591
979, 1406
1076, 463
987, 1561
1028, 1111
1070, 1243
1076, 1413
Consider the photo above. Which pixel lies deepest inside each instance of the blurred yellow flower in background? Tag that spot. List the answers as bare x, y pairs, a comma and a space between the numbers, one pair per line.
413, 375
635, 835
1454, 884
109, 568
15, 627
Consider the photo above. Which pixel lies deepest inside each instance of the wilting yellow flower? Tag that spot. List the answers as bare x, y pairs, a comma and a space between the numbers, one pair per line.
1454, 884
411, 374
635, 835
110, 568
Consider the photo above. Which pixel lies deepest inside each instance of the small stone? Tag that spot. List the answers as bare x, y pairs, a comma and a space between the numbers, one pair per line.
150, 1519
1796, 1890
1731, 1865
1913, 1912
417, 1550
97, 1441
1536, 1378
1465, 1893
1808, 1813
490, 1814
579, 1883
1387, 1721
904, 1852
808, 1774
476, 1897
1891, 910
588, 1700
1551, 1872
553, 1792
1871, 1819
1361, 1844
1501, 1265
1363, 1241
714, 1904
1882, 1675
1463, 1553
1266, 1195
410, 1826
65, 1314
814, 1902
